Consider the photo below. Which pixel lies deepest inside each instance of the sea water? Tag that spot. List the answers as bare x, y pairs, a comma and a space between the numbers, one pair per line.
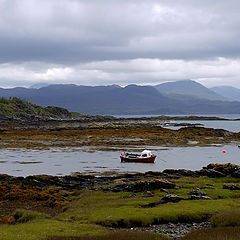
64, 161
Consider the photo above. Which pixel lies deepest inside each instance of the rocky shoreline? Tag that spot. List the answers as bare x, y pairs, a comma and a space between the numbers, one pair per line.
143, 183
50, 194
130, 182
150, 191
98, 121
174, 230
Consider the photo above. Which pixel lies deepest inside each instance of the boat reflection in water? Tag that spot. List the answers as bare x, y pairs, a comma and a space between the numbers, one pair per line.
145, 157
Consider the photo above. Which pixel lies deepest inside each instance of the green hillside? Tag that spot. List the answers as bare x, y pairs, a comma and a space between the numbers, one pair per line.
18, 109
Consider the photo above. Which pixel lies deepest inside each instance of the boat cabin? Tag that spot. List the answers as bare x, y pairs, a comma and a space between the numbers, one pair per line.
146, 153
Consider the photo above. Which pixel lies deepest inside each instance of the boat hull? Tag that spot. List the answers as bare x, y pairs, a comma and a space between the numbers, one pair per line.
151, 159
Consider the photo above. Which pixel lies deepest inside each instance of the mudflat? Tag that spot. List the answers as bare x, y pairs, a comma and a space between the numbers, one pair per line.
117, 132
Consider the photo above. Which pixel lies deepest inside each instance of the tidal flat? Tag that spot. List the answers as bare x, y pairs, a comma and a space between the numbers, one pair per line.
122, 205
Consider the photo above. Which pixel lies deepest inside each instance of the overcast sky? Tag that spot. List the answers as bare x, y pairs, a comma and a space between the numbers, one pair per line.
104, 42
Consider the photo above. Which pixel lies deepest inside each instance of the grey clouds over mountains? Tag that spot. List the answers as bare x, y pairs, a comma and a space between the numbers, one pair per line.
63, 30
122, 42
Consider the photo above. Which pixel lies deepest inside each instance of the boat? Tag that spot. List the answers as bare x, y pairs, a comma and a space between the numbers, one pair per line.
146, 156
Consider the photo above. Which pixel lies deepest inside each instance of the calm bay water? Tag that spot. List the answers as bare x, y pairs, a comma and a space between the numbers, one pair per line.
63, 161
232, 126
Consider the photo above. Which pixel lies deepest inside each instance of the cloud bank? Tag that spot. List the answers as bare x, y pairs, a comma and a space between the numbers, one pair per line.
119, 42
123, 72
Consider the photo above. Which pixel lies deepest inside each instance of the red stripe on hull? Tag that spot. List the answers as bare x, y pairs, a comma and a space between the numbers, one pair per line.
140, 160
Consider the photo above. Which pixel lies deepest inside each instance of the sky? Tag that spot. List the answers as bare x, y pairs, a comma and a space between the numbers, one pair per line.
105, 42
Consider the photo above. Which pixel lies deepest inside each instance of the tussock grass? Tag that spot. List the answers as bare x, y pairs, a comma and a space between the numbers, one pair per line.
115, 210
225, 233
23, 216
112, 210
213, 187
226, 219
117, 235
42, 229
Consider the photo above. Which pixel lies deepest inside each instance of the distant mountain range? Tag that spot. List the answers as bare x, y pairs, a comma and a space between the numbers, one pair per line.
228, 92
181, 97
40, 85
188, 88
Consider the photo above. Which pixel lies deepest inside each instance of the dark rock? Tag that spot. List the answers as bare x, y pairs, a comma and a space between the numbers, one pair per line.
151, 205
171, 198
196, 195
147, 185
226, 169
147, 194
174, 230
165, 190
231, 186
165, 199
180, 172
211, 173
236, 174
130, 196
154, 174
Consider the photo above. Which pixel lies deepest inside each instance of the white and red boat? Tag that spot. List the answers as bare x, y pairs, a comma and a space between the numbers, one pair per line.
145, 157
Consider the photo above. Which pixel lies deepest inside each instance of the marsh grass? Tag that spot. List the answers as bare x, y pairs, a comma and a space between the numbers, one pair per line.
224, 233
22, 215
112, 210
226, 219
213, 187
117, 235
42, 229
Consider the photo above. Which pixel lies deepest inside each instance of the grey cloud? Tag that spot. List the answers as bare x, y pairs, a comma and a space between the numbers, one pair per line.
73, 31
139, 71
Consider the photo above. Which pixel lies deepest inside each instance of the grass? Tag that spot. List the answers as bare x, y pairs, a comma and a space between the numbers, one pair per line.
22, 216
211, 186
117, 235
225, 233
39, 230
109, 209
89, 208
226, 219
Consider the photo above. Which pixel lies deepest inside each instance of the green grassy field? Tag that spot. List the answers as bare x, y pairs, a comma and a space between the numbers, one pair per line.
90, 212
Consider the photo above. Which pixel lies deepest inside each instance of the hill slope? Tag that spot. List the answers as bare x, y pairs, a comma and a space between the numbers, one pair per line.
115, 100
228, 92
132, 99
17, 109
188, 88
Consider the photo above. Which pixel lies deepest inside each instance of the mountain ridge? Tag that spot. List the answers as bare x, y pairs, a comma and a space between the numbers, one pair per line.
115, 100
188, 88
229, 92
